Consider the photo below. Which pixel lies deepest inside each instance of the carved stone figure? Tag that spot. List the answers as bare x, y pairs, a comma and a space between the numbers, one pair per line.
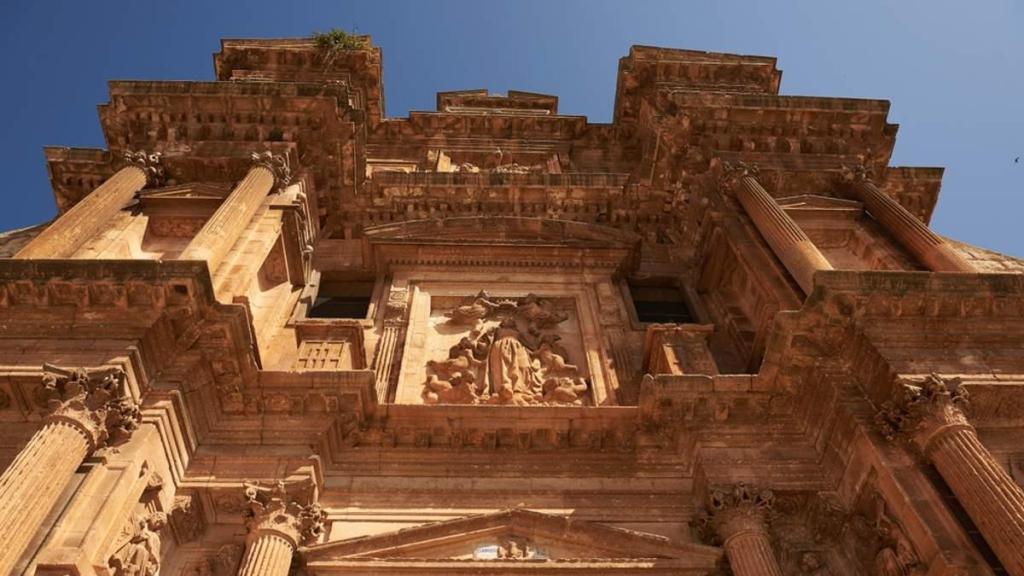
897, 556
811, 565
510, 371
472, 314
140, 556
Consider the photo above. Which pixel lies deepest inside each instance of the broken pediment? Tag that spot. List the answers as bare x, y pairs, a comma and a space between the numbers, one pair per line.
502, 230
512, 538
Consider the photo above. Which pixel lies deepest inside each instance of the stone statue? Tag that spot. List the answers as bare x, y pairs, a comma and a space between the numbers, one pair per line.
896, 557
140, 556
511, 376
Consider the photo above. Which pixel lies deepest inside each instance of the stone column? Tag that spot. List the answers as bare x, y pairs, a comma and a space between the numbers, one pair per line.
215, 239
784, 236
738, 518
279, 519
908, 230
85, 412
929, 412
389, 347
63, 237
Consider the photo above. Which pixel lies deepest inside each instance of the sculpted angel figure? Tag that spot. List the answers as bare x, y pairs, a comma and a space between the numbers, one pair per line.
140, 556
539, 312
461, 358
472, 314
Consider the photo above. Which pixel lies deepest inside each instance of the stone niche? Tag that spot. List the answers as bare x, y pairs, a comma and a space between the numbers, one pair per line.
520, 344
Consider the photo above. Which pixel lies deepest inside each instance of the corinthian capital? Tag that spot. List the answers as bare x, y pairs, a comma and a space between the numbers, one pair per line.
856, 173
733, 172
289, 510
96, 402
735, 510
923, 407
277, 164
150, 164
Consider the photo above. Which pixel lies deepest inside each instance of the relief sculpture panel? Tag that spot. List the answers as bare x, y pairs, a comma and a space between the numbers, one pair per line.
520, 351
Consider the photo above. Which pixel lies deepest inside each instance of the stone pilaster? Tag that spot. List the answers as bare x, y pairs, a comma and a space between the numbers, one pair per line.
389, 348
796, 251
908, 230
930, 414
215, 239
738, 518
86, 219
85, 411
280, 518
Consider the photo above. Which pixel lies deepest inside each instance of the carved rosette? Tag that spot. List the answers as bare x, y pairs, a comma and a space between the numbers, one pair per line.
278, 165
97, 403
921, 409
733, 172
737, 510
150, 164
298, 519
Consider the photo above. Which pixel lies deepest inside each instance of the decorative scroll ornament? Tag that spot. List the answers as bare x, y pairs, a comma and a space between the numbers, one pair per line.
277, 164
920, 408
733, 172
96, 402
512, 362
396, 307
732, 511
150, 164
140, 555
290, 511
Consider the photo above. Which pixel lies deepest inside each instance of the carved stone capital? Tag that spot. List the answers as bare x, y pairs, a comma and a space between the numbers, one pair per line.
96, 402
921, 409
736, 510
733, 172
150, 164
278, 164
290, 511
856, 174
396, 307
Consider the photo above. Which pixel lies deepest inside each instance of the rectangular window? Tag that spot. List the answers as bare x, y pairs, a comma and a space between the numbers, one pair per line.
342, 300
659, 304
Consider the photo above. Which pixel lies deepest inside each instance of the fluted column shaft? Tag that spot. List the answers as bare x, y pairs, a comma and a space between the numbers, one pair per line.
909, 231
384, 362
34, 482
268, 554
750, 554
787, 240
215, 239
989, 495
87, 218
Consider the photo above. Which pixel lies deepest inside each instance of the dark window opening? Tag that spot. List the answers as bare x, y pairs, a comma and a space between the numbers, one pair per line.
342, 300
660, 304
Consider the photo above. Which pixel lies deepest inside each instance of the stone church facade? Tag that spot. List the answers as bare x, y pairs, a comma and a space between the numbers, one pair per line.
272, 331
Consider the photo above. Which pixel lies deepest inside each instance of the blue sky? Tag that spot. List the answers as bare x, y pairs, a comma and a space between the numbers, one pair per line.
954, 71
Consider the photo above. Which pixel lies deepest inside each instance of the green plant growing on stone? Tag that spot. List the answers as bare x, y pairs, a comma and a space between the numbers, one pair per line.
335, 41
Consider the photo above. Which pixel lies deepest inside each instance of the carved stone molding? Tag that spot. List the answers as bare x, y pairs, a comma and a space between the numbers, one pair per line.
150, 164
287, 510
96, 402
731, 511
278, 164
922, 408
397, 307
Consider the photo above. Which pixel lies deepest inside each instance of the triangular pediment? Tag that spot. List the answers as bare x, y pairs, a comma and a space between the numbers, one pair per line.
191, 191
510, 536
491, 230
815, 202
